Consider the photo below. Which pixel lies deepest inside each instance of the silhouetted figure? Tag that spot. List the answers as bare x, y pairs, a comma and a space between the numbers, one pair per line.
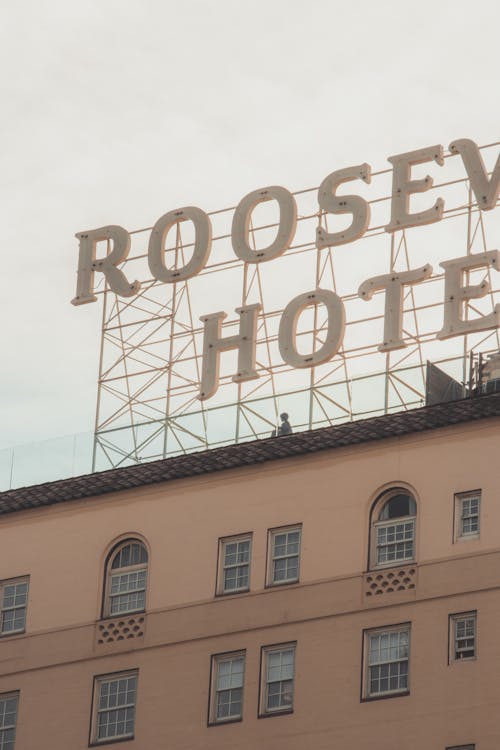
285, 427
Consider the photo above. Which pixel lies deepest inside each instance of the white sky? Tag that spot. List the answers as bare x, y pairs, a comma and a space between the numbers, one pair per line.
115, 112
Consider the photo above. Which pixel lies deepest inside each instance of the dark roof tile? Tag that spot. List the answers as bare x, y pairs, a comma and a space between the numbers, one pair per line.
244, 454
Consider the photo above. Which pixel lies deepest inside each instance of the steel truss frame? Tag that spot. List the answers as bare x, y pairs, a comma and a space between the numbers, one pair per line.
151, 344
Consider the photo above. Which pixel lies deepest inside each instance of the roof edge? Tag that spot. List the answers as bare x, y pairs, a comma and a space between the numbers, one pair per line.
251, 453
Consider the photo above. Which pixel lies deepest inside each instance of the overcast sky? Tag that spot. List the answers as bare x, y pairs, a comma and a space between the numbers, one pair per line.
115, 112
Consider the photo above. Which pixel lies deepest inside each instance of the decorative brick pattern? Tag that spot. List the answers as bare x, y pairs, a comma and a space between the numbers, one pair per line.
390, 580
120, 629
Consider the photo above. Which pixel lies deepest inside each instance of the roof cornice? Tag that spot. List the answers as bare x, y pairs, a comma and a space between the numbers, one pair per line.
251, 453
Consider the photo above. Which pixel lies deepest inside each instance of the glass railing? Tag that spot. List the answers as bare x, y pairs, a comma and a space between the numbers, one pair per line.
45, 461
326, 404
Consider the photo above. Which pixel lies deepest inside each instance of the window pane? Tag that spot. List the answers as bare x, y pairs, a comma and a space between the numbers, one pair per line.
229, 688
229, 703
286, 543
8, 711
236, 578
230, 674
395, 542
116, 707
243, 551
13, 620
230, 554
7, 737
130, 554
388, 661
470, 515
465, 637
280, 694
8, 718
279, 679
398, 506
285, 556
280, 545
15, 595
286, 568
236, 552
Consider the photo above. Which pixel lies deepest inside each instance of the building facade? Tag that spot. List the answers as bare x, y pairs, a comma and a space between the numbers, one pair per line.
332, 589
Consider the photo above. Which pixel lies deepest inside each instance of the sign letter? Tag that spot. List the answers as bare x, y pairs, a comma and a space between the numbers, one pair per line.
393, 284
213, 345
202, 244
344, 204
87, 264
455, 295
288, 328
286, 229
486, 190
403, 186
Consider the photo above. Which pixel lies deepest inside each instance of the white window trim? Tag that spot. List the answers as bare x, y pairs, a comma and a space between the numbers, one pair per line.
367, 696
272, 533
10, 582
98, 680
383, 498
110, 573
375, 565
221, 591
265, 651
6, 697
216, 660
458, 535
453, 636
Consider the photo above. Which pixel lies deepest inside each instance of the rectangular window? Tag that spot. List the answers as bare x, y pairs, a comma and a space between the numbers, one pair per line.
395, 542
387, 661
228, 671
114, 706
284, 558
463, 636
234, 564
13, 603
277, 671
467, 511
8, 718
128, 592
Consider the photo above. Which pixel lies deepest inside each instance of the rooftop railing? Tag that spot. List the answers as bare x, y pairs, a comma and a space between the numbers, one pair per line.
333, 403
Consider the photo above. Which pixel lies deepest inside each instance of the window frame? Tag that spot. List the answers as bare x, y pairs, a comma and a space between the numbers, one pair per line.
215, 660
376, 524
265, 712
106, 612
221, 567
458, 533
366, 695
5, 697
452, 636
13, 582
271, 535
94, 726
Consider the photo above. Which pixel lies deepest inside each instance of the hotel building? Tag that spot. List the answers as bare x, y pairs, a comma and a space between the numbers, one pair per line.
337, 589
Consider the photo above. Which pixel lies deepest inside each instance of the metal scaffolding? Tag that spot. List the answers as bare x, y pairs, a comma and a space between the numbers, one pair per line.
151, 344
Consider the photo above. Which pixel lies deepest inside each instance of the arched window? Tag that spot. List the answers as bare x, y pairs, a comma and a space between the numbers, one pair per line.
393, 528
126, 579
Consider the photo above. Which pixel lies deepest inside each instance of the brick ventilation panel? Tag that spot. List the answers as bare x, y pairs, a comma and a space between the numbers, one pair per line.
388, 581
120, 629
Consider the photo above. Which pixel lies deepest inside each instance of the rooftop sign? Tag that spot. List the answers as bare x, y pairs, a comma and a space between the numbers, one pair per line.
324, 303
457, 291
